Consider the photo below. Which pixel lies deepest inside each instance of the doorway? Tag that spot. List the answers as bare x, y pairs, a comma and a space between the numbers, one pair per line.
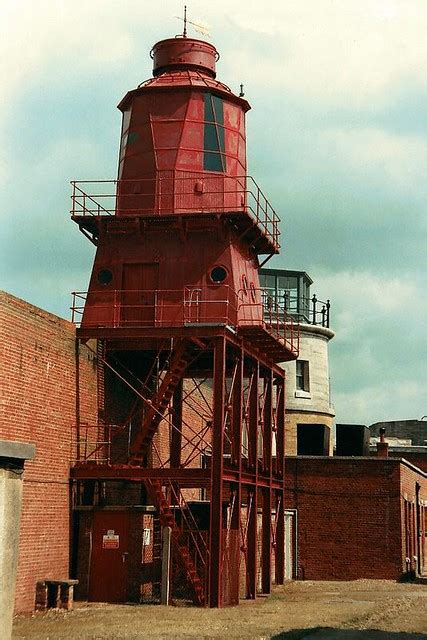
140, 284
290, 544
109, 561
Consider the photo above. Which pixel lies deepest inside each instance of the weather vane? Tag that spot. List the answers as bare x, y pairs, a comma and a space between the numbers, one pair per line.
200, 28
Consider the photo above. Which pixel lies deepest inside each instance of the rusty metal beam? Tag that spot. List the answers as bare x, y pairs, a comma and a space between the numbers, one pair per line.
266, 541
216, 533
186, 477
252, 546
280, 539
280, 426
268, 423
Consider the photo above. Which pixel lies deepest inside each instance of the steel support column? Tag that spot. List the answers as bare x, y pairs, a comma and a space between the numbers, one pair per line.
268, 422
236, 463
215, 554
176, 435
279, 573
280, 426
280, 471
252, 490
266, 541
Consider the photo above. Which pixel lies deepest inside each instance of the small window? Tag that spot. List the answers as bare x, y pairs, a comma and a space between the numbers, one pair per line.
214, 134
133, 137
302, 375
218, 274
105, 276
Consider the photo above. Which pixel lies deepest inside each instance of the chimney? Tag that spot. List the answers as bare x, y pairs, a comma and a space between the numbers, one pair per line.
382, 445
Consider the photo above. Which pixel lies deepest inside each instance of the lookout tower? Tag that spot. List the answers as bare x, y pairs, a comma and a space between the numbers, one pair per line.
191, 400
309, 410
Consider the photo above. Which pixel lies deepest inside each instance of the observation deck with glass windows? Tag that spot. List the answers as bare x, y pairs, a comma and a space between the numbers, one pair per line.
291, 290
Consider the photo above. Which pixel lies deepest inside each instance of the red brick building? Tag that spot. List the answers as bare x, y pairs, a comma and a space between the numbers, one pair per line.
357, 517
39, 363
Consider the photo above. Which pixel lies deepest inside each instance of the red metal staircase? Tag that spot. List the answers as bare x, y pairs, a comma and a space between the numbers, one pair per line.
180, 358
180, 542
100, 375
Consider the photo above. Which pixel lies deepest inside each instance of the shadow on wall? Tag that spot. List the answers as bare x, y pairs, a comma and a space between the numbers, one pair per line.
327, 633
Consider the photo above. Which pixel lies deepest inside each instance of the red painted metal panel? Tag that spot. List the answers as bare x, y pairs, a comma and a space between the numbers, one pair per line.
138, 296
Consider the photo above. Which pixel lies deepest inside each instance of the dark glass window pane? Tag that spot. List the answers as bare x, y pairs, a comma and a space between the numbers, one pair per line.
213, 162
209, 113
214, 134
221, 137
218, 109
211, 138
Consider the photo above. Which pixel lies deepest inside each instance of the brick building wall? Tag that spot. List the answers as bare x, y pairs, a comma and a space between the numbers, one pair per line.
415, 430
350, 515
413, 519
38, 405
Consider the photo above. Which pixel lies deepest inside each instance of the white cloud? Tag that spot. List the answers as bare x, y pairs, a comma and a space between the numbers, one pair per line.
321, 54
401, 400
335, 51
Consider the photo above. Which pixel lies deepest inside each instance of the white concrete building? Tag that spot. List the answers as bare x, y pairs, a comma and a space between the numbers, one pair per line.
309, 410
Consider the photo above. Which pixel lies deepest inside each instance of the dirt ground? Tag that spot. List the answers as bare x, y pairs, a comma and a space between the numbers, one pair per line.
361, 610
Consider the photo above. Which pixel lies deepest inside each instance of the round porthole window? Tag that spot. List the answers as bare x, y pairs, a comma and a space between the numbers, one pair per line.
132, 137
105, 276
218, 274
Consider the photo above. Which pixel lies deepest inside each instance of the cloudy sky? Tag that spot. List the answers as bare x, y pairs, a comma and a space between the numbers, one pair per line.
337, 138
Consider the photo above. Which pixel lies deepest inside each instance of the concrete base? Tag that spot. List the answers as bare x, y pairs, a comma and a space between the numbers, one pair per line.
12, 458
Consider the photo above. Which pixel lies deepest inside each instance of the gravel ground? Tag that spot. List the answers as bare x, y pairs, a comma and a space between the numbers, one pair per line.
360, 610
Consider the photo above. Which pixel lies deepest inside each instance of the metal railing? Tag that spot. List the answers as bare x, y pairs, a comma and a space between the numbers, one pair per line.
98, 442
249, 307
153, 308
170, 193
305, 310
276, 319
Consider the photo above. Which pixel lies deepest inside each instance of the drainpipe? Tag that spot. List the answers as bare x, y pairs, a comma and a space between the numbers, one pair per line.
382, 445
12, 459
420, 567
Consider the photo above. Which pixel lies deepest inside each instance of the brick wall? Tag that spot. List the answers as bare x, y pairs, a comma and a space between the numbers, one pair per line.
38, 405
417, 459
416, 430
350, 515
413, 552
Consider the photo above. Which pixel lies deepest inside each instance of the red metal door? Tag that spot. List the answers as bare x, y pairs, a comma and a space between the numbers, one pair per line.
108, 577
139, 297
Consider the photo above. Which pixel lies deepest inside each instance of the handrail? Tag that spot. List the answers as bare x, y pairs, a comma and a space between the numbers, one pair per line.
309, 310
173, 193
161, 307
185, 307
86, 447
275, 317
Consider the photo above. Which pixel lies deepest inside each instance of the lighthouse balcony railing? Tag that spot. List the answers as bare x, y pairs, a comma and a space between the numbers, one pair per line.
170, 192
120, 308
191, 306
276, 319
306, 310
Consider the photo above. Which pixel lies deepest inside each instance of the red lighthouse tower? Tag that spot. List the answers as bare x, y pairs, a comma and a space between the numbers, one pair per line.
190, 395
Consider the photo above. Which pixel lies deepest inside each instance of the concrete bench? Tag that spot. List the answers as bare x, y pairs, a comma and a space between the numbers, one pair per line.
55, 594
